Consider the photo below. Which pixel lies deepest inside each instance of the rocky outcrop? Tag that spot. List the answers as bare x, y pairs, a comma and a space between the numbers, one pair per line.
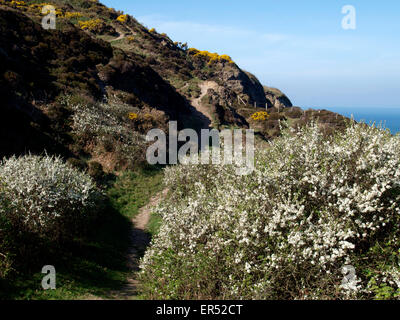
218, 100
276, 98
245, 85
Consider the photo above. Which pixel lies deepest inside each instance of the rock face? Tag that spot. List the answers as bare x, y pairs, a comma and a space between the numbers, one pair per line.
237, 88
245, 85
276, 98
237, 93
222, 104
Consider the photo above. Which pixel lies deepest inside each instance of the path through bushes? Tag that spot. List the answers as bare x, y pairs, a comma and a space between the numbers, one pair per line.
140, 240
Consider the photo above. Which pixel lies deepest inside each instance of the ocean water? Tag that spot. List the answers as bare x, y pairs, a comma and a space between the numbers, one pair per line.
388, 117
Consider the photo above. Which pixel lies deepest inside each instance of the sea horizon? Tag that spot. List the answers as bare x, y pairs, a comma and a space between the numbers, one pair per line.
388, 117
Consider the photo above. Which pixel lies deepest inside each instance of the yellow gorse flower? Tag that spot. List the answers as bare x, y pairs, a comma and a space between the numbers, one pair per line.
71, 15
132, 116
90, 24
35, 7
122, 18
211, 57
260, 116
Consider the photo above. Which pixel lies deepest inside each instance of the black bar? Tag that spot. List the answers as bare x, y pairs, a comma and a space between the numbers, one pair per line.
144, 310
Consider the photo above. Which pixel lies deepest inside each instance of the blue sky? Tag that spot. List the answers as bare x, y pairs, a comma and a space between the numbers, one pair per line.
299, 47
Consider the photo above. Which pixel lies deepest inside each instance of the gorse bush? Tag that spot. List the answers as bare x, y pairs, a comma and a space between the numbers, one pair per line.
72, 15
314, 204
45, 196
210, 57
122, 18
260, 116
91, 25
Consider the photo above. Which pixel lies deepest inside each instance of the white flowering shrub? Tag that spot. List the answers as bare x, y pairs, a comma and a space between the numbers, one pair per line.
314, 204
5, 259
45, 196
105, 127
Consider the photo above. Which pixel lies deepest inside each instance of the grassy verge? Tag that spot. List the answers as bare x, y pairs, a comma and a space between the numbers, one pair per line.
133, 190
94, 265
154, 224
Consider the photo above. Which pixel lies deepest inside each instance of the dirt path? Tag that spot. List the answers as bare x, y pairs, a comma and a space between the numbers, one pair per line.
204, 87
143, 218
140, 240
122, 34
120, 37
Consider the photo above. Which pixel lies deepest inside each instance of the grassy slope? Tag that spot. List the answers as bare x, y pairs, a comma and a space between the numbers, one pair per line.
133, 190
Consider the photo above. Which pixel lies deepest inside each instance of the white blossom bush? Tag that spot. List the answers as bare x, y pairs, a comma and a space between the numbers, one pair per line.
314, 204
106, 127
45, 196
5, 259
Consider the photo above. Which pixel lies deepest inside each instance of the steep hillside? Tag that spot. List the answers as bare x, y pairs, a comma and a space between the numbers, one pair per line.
69, 91
50, 79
